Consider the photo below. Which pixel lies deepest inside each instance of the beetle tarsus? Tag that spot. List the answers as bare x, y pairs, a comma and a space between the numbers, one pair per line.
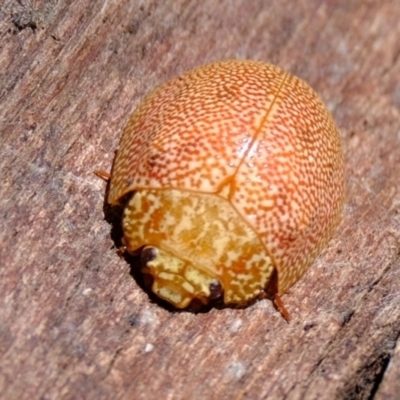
281, 308
121, 251
102, 174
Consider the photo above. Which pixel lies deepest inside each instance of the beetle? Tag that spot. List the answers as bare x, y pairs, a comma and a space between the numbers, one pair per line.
232, 178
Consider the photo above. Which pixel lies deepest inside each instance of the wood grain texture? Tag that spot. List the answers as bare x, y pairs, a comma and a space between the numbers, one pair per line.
74, 323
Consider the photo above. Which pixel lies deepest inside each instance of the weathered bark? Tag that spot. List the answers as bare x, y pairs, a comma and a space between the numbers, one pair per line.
74, 323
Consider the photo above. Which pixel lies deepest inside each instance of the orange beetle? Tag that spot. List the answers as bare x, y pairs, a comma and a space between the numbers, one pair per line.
236, 177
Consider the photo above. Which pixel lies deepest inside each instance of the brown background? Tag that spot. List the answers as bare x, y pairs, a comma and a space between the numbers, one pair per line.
74, 323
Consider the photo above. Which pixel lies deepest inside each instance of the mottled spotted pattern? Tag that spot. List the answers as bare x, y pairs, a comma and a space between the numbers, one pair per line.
199, 238
251, 134
192, 132
290, 185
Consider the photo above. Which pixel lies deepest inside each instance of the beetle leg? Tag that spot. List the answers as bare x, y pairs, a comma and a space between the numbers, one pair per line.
281, 308
102, 174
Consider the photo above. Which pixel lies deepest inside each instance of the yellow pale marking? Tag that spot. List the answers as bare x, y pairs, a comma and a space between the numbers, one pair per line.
167, 293
177, 281
198, 279
188, 287
169, 264
198, 238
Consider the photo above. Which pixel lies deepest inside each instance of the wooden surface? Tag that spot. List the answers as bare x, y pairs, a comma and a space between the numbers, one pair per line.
74, 322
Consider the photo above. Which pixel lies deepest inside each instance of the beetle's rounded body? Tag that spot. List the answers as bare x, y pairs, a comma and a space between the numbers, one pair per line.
236, 173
